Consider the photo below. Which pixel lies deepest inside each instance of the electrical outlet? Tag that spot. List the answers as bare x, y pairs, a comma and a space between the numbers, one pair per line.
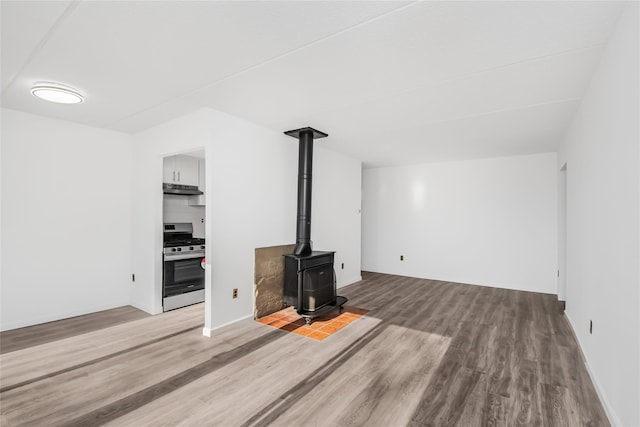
235, 293
202, 220
401, 257
590, 327
343, 265
133, 277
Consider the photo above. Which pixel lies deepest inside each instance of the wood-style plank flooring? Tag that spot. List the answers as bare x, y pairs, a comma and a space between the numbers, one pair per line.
17, 339
428, 353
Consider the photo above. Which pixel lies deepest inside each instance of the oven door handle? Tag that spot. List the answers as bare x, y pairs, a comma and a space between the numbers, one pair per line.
186, 255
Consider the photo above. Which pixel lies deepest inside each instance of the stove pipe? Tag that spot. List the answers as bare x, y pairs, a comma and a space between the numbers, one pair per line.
305, 164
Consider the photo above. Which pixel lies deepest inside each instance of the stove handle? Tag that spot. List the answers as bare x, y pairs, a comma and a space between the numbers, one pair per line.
182, 256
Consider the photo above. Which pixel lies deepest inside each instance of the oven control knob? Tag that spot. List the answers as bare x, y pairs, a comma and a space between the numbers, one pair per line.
202, 247
190, 248
173, 249
179, 249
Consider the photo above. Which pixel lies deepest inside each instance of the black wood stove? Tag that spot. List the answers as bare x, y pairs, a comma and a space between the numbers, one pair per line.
310, 279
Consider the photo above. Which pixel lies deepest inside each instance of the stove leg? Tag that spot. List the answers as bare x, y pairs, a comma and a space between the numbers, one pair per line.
307, 320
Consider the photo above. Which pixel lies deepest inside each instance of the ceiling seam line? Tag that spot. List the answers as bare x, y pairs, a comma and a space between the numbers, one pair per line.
436, 84
45, 39
488, 113
275, 58
469, 75
533, 59
503, 110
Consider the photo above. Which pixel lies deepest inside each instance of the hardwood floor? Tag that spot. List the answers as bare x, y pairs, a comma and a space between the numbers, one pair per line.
17, 339
428, 353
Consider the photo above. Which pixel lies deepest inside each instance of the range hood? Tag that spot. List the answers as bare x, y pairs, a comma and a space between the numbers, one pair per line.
182, 190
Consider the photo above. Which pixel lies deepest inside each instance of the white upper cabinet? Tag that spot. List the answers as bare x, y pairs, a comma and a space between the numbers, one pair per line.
180, 170
199, 200
168, 169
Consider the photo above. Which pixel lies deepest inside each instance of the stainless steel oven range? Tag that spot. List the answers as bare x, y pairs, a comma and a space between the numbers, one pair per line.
183, 272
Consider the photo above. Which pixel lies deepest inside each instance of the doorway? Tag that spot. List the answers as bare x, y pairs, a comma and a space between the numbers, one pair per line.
184, 229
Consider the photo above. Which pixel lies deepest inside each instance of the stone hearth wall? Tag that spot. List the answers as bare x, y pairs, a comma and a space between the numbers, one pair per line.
269, 279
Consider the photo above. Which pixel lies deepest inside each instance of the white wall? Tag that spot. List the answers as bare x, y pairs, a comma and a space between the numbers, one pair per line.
562, 233
177, 209
488, 222
66, 199
251, 178
253, 192
335, 211
603, 215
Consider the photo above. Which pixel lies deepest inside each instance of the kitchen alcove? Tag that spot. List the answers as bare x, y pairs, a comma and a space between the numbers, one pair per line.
184, 272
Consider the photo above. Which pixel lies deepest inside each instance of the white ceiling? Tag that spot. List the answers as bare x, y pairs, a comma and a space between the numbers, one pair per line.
391, 82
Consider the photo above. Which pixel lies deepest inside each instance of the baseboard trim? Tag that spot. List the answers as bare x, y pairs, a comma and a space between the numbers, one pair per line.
54, 317
143, 308
207, 331
562, 305
349, 282
613, 418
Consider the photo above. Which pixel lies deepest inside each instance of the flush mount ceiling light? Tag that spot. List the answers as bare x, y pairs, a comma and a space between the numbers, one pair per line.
56, 92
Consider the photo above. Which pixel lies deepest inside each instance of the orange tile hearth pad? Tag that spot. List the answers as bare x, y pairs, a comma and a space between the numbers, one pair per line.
321, 328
